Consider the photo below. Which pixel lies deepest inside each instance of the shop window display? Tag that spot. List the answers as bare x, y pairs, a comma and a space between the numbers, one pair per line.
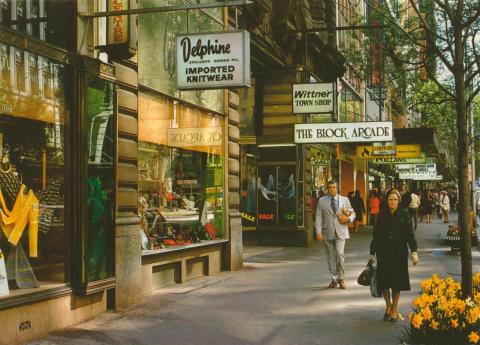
32, 169
181, 174
248, 191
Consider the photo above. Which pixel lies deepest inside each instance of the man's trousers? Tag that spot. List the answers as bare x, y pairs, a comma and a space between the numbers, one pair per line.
336, 258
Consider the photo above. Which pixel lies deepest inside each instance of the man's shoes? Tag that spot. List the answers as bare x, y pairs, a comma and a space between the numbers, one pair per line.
341, 284
333, 284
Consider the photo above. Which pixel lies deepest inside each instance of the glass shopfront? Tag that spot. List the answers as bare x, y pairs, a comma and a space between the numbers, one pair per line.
181, 173
321, 162
36, 99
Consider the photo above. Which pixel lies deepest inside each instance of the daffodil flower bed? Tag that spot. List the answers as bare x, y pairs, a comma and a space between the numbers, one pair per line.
441, 316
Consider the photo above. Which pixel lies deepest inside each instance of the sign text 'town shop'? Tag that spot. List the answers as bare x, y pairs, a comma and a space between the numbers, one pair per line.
312, 98
213, 60
343, 132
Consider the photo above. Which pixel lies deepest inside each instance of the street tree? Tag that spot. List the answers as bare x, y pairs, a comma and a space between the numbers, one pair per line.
436, 41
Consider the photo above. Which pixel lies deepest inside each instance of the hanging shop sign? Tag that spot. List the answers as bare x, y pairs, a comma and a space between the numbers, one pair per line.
117, 26
188, 137
347, 132
416, 171
312, 98
384, 149
213, 60
402, 151
398, 160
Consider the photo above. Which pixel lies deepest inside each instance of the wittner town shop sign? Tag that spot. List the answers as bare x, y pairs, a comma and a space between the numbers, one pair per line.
213, 60
312, 98
350, 132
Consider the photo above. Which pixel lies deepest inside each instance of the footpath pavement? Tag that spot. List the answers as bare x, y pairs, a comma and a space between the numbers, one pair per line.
279, 298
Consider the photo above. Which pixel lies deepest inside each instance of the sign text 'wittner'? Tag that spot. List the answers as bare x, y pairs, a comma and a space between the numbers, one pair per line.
343, 132
312, 98
213, 60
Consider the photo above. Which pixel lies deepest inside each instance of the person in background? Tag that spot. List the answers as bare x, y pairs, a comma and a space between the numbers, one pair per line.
453, 199
359, 208
406, 196
374, 206
426, 206
445, 206
392, 236
413, 209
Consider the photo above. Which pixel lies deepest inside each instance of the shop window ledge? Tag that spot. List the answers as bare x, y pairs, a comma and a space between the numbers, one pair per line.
146, 253
19, 298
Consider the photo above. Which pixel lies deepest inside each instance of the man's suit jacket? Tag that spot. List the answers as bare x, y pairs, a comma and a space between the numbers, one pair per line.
327, 222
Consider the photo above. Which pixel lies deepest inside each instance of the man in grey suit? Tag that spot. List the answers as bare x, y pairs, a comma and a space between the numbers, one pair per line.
333, 213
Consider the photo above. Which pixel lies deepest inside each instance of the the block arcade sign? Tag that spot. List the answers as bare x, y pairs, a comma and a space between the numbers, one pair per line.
312, 98
213, 60
351, 132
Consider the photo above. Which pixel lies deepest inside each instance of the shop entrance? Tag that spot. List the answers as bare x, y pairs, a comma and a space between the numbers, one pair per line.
277, 197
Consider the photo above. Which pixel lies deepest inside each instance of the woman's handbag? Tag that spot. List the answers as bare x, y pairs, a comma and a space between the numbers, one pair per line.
374, 290
366, 275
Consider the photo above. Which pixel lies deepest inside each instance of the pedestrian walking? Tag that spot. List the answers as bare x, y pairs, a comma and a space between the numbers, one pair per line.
391, 236
426, 205
359, 208
413, 209
406, 196
333, 213
445, 206
374, 206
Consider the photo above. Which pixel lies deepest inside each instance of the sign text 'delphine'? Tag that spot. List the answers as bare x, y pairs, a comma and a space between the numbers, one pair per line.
188, 137
343, 132
213, 60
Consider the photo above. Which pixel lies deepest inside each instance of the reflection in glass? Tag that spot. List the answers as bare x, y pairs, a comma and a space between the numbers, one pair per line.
157, 66
101, 183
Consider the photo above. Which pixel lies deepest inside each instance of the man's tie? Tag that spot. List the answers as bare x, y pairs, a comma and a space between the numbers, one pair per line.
333, 204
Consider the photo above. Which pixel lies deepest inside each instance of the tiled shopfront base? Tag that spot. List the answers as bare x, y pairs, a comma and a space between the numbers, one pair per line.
26, 322
177, 265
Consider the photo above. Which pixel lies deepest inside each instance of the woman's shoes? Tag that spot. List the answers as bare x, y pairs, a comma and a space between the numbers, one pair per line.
393, 318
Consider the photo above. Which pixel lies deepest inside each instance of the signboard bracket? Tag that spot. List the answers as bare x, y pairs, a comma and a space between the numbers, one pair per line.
135, 11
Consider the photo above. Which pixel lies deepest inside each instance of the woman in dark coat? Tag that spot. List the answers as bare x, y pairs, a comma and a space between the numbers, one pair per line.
391, 235
359, 208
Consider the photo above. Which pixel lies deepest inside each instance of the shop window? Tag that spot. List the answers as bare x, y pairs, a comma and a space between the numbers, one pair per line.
100, 178
248, 183
181, 173
277, 195
47, 20
33, 170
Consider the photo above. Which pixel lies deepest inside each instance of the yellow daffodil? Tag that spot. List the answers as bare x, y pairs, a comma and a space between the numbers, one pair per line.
417, 321
427, 314
454, 323
473, 337
434, 325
